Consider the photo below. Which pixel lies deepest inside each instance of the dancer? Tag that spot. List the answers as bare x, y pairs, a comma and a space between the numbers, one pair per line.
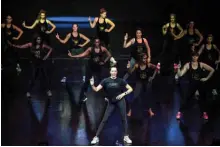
76, 45
191, 34
40, 52
196, 82
95, 63
170, 52
113, 87
210, 55
102, 27
143, 79
140, 45
42, 25
9, 35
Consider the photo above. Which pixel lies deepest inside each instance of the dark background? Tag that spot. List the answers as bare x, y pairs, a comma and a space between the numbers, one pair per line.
149, 15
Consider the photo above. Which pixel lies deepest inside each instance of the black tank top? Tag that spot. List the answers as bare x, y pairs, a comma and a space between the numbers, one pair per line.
101, 26
137, 49
42, 27
37, 54
75, 41
195, 74
9, 33
209, 56
96, 58
142, 74
169, 36
191, 38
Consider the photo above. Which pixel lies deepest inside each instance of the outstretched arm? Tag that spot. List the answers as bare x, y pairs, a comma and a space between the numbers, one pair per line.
52, 25
84, 54
108, 21
48, 53
63, 40
24, 46
20, 32
93, 24
87, 40
32, 26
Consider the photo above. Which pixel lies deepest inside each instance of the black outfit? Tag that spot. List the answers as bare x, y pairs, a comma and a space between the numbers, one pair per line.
9, 54
113, 88
41, 30
195, 84
101, 34
38, 67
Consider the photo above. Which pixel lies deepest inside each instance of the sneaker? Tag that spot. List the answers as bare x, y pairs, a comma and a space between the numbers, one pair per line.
127, 140
129, 113
84, 78
63, 80
84, 98
205, 116
18, 68
214, 92
49, 93
95, 140
178, 115
28, 95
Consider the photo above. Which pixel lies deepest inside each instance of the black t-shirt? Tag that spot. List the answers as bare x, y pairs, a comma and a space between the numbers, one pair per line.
113, 87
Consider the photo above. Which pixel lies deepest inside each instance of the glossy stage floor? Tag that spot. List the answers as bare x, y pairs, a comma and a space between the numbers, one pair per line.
62, 121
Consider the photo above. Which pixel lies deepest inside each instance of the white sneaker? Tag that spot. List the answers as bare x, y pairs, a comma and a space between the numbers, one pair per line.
84, 78
95, 140
214, 92
127, 140
49, 93
28, 94
18, 68
63, 80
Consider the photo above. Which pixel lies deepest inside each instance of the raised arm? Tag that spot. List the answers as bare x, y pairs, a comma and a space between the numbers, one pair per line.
87, 40
93, 24
84, 54
164, 29
52, 25
129, 43
20, 32
148, 48
183, 71
32, 26
201, 49
200, 37
112, 25
216, 48
49, 51
63, 40
24, 46
208, 68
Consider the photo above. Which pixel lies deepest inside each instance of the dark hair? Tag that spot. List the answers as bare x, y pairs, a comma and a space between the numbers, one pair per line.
77, 26
102, 10
195, 54
187, 26
34, 41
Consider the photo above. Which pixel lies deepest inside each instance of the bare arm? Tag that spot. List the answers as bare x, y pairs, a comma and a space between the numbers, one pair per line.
96, 89
24, 46
49, 52
32, 26
93, 24
108, 21
180, 29
164, 29
126, 45
181, 35
216, 48
133, 69
63, 40
84, 54
129, 90
20, 32
155, 70
208, 68
201, 49
52, 25
148, 48
108, 54
87, 40
199, 35
183, 71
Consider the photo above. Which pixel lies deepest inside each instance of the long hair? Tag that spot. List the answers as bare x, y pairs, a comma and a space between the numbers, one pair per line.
34, 40
42, 11
93, 45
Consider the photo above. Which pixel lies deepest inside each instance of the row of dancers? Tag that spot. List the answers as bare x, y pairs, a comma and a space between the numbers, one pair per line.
100, 56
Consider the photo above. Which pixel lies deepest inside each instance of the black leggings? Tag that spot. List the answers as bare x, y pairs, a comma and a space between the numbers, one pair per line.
188, 102
39, 71
104, 38
10, 56
144, 88
110, 108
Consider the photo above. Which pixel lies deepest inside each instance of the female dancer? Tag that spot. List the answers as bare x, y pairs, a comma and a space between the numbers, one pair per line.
191, 34
196, 82
210, 55
113, 87
40, 52
96, 61
102, 30
41, 23
9, 34
170, 51
143, 78
140, 45
76, 45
